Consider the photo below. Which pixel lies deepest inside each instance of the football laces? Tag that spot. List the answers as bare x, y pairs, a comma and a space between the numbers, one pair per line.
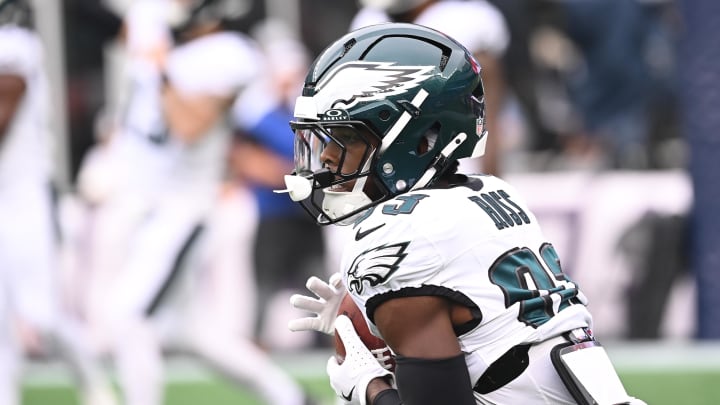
384, 356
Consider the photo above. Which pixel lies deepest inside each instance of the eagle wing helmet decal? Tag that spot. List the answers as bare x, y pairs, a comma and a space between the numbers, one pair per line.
354, 82
375, 265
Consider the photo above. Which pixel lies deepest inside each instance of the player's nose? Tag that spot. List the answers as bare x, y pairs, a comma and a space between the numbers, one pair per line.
330, 156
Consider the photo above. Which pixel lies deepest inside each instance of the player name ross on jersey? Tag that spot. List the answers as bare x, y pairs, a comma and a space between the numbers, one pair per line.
502, 210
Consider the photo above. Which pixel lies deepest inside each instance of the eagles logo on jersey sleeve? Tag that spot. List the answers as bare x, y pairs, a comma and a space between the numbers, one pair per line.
374, 266
390, 249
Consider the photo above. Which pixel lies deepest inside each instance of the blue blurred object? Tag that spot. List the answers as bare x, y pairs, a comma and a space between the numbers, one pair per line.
273, 132
699, 61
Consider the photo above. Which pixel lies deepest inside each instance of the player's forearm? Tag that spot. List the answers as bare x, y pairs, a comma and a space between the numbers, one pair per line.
434, 381
425, 381
259, 165
188, 118
378, 386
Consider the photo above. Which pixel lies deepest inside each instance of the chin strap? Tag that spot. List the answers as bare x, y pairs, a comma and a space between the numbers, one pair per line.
440, 161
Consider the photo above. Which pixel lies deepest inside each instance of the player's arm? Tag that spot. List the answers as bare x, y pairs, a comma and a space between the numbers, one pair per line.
189, 116
12, 89
258, 164
430, 365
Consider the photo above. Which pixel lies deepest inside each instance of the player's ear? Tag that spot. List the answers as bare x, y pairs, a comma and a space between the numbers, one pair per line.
422, 146
427, 141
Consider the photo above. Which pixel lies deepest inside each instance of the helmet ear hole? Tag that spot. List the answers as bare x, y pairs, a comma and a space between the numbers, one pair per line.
428, 141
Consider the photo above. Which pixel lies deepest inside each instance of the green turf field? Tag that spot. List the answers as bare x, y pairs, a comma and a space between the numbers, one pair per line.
686, 388
188, 393
659, 374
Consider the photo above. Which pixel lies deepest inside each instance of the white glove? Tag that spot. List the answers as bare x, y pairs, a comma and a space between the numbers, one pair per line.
351, 378
325, 306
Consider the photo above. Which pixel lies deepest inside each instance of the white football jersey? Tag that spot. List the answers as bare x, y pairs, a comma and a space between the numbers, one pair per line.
478, 25
477, 244
218, 64
25, 151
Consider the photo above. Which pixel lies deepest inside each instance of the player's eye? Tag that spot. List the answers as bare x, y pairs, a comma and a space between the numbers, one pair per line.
346, 136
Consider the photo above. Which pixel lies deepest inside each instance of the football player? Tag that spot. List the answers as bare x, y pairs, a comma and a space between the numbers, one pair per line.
481, 28
451, 270
166, 163
31, 318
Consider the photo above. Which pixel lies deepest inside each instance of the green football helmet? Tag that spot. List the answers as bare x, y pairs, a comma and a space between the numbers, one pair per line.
385, 109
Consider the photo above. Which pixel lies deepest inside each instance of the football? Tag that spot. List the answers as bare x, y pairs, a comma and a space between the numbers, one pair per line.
377, 346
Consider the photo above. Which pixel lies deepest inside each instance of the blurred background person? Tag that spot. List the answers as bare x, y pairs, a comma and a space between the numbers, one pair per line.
615, 84
288, 248
522, 76
90, 26
34, 321
608, 96
158, 195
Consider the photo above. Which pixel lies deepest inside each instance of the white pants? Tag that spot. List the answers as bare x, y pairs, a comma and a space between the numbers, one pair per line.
133, 251
538, 384
28, 280
154, 249
30, 293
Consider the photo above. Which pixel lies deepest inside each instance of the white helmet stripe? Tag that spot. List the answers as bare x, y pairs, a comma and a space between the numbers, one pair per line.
447, 151
400, 124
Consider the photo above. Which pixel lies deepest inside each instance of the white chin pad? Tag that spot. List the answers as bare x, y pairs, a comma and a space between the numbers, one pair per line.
340, 203
298, 187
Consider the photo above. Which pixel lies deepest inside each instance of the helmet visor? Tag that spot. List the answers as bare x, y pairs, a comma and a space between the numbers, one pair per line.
338, 158
345, 150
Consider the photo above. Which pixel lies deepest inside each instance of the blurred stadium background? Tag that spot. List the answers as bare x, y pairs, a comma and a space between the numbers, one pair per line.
603, 222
